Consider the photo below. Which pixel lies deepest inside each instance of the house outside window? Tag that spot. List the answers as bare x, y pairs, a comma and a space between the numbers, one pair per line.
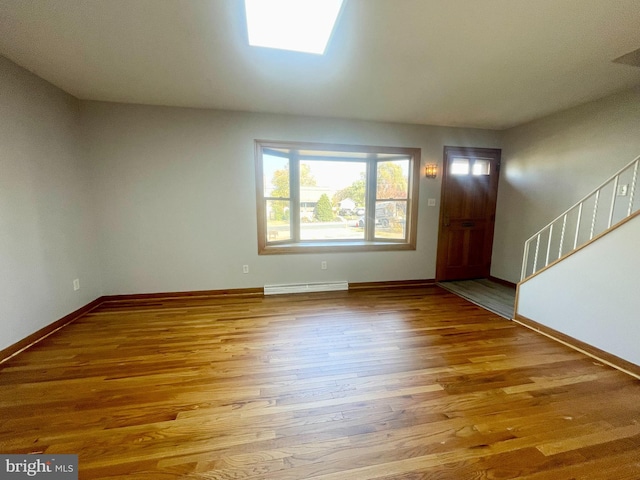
330, 198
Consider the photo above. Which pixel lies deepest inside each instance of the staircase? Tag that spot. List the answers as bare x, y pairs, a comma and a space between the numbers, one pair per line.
607, 206
589, 299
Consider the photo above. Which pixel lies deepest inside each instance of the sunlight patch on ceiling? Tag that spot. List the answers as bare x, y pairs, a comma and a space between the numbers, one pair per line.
297, 25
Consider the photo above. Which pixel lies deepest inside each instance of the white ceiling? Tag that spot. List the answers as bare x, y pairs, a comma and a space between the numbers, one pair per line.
480, 63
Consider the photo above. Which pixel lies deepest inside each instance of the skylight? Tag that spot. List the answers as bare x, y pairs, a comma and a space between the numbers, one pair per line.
298, 25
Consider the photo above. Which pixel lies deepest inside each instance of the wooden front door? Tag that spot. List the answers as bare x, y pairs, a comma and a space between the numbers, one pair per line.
467, 213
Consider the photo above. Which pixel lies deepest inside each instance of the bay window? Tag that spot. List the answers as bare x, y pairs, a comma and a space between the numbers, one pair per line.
319, 198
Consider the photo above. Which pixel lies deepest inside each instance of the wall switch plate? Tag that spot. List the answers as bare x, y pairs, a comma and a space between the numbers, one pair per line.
245, 268
76, 284
431, 202
622, 190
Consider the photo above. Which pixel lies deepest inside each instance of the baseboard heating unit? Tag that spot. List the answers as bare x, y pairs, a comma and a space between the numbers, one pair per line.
305, 287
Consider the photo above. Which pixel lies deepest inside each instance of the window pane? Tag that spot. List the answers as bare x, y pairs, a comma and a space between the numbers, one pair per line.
391, 219
332, 193
481, 167
278, 220
393, 179
338, 155
275, 176
331, 231
460, 166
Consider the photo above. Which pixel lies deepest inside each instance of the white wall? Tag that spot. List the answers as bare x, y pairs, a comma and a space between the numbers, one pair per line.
552, 163
177, 207
46, 216
593, 294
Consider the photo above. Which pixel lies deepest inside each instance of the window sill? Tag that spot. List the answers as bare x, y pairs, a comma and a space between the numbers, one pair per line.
334, 247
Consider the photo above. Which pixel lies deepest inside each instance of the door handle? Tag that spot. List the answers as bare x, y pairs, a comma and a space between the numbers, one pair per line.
468, 224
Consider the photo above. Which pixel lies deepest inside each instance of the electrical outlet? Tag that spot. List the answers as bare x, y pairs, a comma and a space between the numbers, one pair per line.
76, 284
323, 265
245, 268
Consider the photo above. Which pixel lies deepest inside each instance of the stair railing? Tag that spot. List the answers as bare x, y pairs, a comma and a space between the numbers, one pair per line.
595, 213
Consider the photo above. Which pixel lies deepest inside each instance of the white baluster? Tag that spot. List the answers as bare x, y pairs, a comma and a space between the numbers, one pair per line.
546, 262
535, 257
595, 212
575, 242
564, 226
633, 187
525, 260
613, 200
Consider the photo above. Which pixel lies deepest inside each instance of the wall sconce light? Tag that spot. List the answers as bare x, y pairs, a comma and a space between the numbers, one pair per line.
431, 170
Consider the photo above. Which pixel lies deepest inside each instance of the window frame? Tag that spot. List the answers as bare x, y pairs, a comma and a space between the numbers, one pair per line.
369, 243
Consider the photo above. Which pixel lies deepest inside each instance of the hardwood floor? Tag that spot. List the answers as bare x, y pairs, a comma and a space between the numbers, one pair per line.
405, 384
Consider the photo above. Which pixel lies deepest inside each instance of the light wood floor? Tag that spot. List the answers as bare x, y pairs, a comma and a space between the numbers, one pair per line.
402, 384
